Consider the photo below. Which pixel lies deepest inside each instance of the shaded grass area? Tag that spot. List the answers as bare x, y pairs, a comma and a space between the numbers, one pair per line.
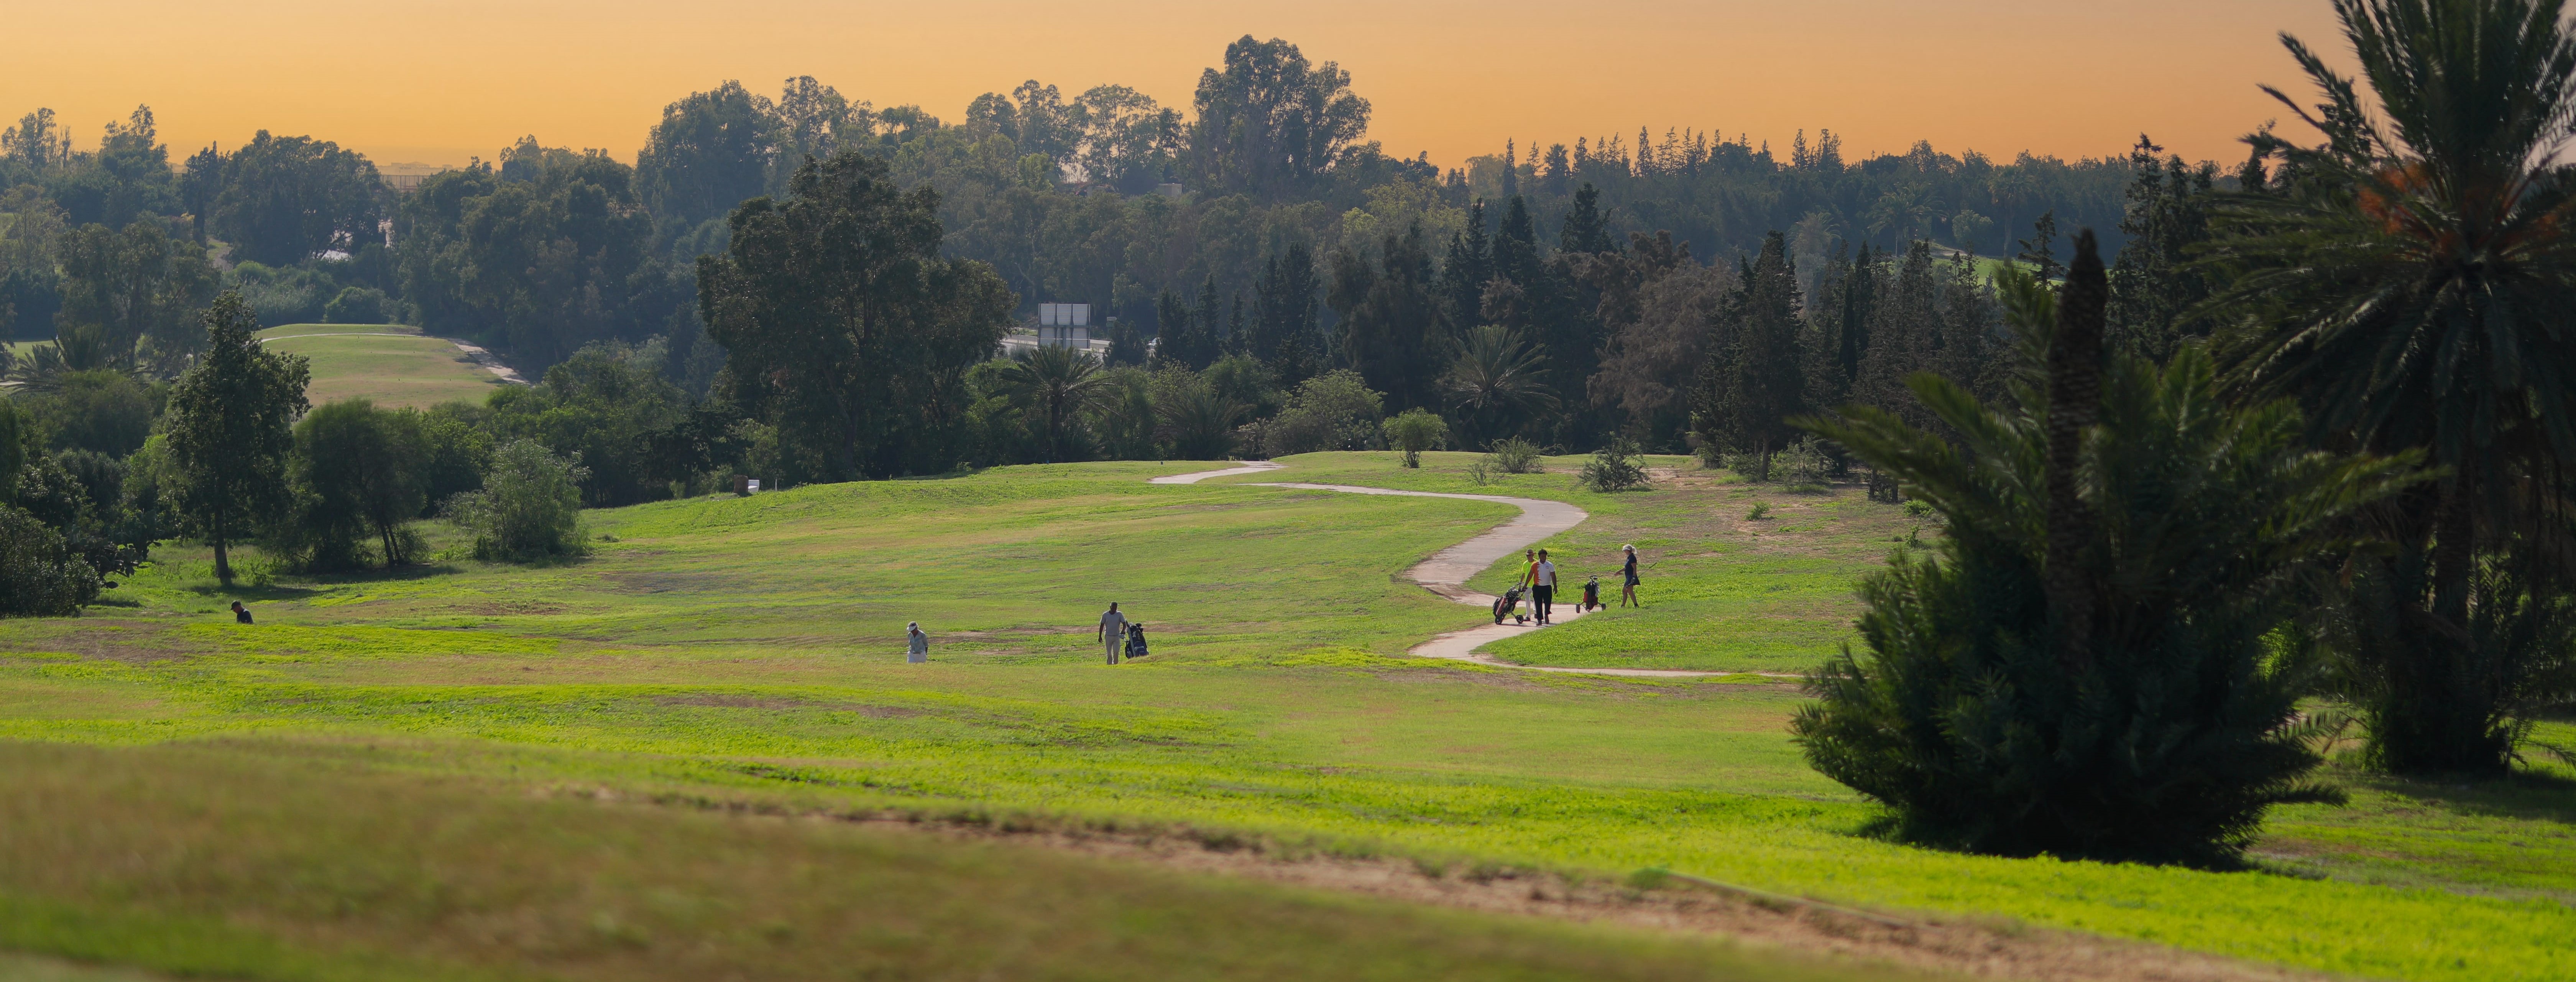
1722, 592
359, 360
745, 653
306, 867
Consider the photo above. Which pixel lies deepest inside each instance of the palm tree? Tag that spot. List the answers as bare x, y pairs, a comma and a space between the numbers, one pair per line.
1496, 379
1200, 423
1059, 383
2412, 281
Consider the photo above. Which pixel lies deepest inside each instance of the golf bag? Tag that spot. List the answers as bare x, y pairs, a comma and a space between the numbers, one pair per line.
1136, 641
1505, 604
1591, 595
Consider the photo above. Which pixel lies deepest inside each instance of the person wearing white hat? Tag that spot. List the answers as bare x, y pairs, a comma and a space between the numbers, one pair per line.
919, 651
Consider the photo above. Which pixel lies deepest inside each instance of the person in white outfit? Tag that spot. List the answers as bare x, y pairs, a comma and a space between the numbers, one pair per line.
1543, 588
919, 651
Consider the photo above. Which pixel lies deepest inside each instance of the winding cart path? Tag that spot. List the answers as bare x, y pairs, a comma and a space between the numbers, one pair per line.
1446, 572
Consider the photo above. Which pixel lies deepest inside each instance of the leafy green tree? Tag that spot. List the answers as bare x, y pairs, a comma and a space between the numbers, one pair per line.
529, 506
1333, 411
98, 410
229, 423
2142, 715
122, 289
846, 328
127, 179
39, 575
546, 254
2412, 282
363, 468
603, 405
286, 199
1059, 385
1270, 123
710, 152
1414, 431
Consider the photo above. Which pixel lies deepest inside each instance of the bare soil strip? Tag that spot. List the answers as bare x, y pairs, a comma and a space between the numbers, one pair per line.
1987, 948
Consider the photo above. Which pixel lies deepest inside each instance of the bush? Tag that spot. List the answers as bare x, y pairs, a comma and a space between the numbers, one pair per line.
1414, 431
528, 508
2128, 707
1620, 466
1514, 455
40, 576
1333, 411
359, 305
1802, 465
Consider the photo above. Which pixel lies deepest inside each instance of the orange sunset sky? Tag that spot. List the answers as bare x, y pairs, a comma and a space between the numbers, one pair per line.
438, 81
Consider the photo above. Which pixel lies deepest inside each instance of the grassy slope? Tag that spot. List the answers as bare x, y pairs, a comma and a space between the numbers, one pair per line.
353, 360
745, 651
308, 867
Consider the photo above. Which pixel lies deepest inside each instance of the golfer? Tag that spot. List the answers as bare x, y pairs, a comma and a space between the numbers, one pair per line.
1113, 630
1542, 586
1628, 577
241, 614
919, 649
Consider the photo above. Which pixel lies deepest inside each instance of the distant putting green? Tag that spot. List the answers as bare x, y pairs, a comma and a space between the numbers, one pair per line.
390, 364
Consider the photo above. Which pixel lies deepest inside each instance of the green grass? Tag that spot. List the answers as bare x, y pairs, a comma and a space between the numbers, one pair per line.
1722, 593
360, 360
745, 653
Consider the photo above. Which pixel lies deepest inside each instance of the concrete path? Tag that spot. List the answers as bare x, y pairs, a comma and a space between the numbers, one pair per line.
1446, 572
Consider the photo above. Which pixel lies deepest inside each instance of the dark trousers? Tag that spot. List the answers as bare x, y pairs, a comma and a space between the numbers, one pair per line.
1540, 598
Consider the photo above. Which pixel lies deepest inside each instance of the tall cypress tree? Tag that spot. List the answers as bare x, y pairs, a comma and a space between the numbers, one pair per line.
1284, 315
1209, 317
1516, 246
1469, 265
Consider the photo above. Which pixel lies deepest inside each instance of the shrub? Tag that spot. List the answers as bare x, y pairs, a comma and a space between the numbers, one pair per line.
529, 506
1616, 467
1333, 411
2086, 672
358, 305
1516, 456
40, 576
1802, 465
1759, 511
1414, 431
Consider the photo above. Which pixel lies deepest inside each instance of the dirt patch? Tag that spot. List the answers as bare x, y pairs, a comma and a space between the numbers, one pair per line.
127, 642
1983, 948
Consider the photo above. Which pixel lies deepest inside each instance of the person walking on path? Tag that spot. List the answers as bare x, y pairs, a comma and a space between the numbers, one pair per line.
1542, 586
1628, 576
1113, 630
1529, 571
919, 649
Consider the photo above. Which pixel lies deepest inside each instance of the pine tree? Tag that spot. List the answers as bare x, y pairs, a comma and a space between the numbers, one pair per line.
1394, 331
1469, 265
1751, 386
1516, 246
2041, 248
1559, 171
1584, 230
2153, 282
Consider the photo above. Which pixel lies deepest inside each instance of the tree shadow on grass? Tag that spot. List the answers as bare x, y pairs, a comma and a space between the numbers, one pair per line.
2526, 794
